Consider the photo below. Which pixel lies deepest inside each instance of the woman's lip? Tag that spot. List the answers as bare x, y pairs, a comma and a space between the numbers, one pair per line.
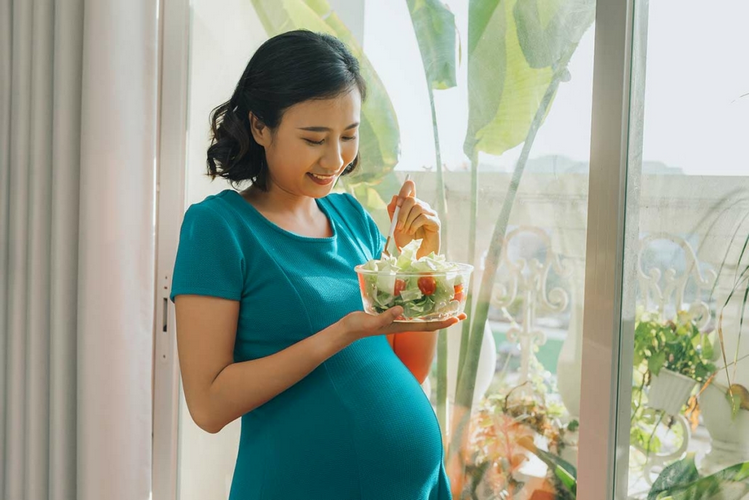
322, 182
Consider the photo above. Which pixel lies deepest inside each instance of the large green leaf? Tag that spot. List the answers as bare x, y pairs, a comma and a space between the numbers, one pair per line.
674, 475
487, 65
731, 483
434, 26
379, 133
513, 51
546, 27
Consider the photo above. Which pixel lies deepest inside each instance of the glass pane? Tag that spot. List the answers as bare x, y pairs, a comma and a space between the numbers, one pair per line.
510, 104
689, 181
523, 356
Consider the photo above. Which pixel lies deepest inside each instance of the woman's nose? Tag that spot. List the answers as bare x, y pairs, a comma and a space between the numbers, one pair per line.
332, 159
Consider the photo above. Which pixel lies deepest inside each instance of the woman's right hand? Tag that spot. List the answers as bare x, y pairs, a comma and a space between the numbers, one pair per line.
359, 324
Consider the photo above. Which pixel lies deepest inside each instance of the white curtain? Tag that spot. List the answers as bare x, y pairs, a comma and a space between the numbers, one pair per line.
78, 100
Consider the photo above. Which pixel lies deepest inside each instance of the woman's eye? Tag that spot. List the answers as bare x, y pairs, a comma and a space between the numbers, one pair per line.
319, 143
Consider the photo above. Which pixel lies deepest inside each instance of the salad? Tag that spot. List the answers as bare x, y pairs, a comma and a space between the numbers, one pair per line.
429, 288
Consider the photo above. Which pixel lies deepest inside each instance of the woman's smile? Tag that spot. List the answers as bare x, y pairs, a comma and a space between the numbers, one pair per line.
322, 180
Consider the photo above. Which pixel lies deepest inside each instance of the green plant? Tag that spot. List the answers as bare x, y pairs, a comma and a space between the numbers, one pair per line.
502, 434
518, 52
681, 481
676, 345
645, 422
737, 395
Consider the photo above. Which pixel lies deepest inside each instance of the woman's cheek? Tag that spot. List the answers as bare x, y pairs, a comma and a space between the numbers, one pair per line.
351, 151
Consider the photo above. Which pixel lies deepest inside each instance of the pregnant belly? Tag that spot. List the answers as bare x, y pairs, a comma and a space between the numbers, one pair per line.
359, 424
396, 431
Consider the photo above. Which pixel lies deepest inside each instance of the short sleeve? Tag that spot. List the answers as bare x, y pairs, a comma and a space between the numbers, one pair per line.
209, 257
376, 238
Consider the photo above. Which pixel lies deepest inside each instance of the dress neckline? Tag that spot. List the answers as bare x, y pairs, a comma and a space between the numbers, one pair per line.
322, 203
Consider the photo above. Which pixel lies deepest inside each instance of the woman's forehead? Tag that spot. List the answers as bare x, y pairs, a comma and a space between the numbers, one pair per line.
337, 112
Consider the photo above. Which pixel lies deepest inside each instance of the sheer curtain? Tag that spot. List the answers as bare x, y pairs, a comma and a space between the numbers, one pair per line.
78, 121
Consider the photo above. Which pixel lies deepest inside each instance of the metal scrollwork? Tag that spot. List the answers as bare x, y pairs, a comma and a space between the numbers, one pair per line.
527, 280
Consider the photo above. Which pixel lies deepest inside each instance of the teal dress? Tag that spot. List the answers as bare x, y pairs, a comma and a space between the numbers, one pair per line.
357, 427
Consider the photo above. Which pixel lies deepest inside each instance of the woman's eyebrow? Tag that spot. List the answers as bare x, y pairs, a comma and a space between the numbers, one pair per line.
326, 129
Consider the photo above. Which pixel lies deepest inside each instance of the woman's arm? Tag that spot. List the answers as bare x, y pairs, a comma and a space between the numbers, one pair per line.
218, 391
416, 350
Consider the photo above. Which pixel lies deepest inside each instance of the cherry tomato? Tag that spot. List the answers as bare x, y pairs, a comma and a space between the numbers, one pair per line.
459, 295
400, 285
427, 285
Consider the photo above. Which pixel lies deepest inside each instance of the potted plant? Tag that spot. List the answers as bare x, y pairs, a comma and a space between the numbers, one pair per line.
505, 433
674, 356
726, 402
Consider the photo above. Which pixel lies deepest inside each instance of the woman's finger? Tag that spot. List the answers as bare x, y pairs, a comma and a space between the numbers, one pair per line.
405, 209
408, 189
429, 223
413, 214
391, 206
386, 318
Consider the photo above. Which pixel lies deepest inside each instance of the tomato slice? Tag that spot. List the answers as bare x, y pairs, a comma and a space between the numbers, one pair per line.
459, 294
427, 285
400, 285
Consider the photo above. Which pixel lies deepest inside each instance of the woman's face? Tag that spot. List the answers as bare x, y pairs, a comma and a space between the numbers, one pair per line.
314, 138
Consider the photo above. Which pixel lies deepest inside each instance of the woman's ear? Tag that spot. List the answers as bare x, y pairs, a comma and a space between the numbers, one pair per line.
260, 132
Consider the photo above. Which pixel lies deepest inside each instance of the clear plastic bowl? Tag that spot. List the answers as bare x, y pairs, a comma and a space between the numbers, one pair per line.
425, 296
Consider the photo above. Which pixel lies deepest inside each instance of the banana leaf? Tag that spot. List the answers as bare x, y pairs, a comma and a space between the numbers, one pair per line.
379, 134
509, 98
434, 26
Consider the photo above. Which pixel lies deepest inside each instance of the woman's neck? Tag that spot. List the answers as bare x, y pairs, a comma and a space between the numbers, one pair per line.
278, 201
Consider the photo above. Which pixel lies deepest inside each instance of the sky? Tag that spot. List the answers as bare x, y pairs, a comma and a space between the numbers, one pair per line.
695, 119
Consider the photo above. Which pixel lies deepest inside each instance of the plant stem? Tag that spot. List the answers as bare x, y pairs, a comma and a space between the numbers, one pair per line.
442, 210
655, 428
465, 335
441, 194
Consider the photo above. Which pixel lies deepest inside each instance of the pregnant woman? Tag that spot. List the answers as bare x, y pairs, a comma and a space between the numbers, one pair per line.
270, 326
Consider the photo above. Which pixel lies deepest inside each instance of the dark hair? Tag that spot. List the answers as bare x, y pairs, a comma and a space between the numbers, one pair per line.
285, 70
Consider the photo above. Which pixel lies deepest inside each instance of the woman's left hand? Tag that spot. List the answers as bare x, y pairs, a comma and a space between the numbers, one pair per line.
416, 220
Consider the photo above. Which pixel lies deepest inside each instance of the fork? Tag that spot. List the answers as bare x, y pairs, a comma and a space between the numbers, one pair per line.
385, 252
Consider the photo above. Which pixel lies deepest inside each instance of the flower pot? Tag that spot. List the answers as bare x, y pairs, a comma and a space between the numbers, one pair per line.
729, 435
669, 391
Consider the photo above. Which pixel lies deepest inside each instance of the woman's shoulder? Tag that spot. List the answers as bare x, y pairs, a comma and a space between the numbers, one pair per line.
214, 209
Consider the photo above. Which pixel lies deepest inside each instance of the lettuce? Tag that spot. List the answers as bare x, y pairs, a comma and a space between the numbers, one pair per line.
380, 287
